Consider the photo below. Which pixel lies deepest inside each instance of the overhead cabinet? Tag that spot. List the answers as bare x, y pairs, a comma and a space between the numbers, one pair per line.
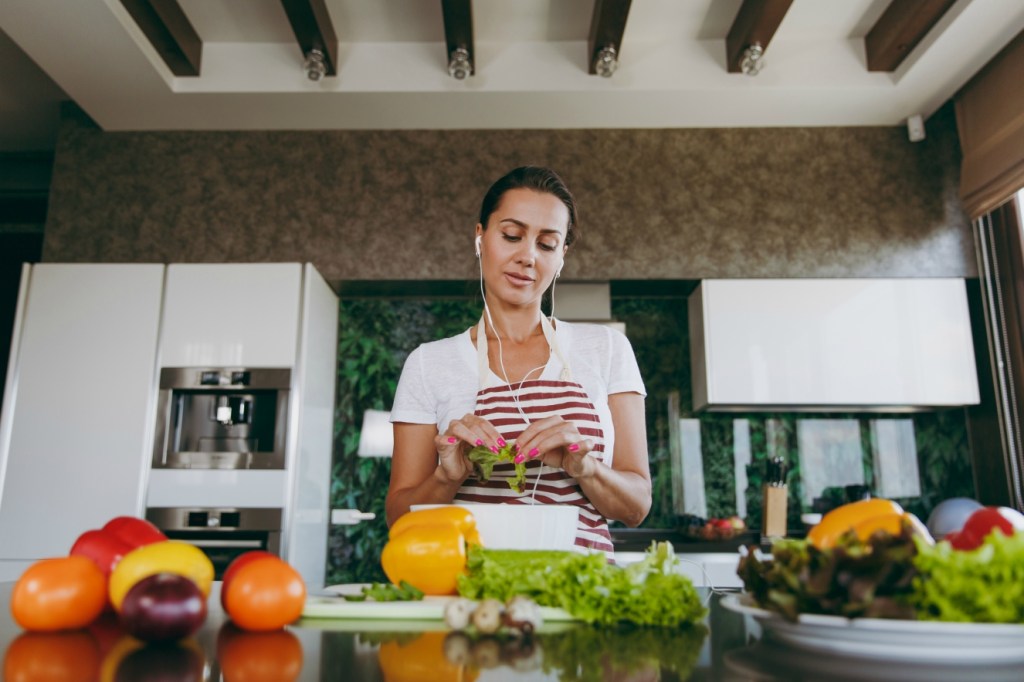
831, 344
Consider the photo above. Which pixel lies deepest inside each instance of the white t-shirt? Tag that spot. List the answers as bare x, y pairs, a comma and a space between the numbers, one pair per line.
439, 381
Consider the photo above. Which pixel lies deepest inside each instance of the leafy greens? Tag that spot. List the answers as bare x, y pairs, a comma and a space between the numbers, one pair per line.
649, 592
484, 459
891, 576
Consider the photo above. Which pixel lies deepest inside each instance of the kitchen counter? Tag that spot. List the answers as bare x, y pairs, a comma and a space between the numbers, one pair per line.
724, 647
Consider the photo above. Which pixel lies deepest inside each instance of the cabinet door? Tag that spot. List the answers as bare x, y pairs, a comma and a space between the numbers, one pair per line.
231, 315
78, 426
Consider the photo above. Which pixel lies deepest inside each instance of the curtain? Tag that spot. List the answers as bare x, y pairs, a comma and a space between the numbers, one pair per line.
990, 123
1000, 479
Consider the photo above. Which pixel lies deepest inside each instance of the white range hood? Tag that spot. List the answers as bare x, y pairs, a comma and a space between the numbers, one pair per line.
831, 345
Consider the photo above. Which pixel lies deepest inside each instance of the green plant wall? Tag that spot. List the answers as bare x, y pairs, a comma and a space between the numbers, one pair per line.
377, 334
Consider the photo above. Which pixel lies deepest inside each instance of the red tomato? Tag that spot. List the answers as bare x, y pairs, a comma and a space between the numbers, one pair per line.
134, 531
59, 594
984, 521
102, 547
963, 540
52, 657
265, 594
237, 563
274, 656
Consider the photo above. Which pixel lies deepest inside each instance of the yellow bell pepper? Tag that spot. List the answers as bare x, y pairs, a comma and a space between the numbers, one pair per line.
891, 523
423, 658
429, 556
842, 519
454, 514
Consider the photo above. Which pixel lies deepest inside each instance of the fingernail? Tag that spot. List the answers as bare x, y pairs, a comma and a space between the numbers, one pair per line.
501, 442
519, 459
534, 452
452, 439
494, 449
573, 447
515, 447
479, 442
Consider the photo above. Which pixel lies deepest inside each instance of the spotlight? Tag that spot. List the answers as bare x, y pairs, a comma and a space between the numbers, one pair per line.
315, 65
753, 60
606, 62
459, 65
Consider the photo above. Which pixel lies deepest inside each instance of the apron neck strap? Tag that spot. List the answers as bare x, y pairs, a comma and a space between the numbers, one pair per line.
483, 366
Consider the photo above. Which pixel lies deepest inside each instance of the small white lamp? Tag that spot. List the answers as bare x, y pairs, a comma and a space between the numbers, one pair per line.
376, 439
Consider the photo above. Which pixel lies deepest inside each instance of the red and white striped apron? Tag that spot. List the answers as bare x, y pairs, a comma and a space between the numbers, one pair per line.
539, 399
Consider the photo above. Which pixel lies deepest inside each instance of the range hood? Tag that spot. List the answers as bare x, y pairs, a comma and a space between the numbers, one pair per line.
881, 345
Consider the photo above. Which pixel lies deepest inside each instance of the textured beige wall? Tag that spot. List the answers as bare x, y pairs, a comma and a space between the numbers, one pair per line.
401, 205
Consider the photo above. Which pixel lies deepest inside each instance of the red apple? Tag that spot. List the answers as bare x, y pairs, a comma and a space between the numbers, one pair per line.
134, 531
104, 549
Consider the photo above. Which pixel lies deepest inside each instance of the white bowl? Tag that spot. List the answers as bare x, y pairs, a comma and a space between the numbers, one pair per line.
522, 526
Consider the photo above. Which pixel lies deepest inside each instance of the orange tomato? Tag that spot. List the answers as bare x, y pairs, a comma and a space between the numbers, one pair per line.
274, 656
237, 563
265, 594
66, 593
52, 657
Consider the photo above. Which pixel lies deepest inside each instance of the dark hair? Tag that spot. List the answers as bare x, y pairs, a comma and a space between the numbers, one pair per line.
538, 179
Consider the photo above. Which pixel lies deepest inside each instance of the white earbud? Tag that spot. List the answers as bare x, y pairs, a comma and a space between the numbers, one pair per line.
478, 246
558, 272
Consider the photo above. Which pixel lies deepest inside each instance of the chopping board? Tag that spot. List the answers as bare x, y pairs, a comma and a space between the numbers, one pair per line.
330, 604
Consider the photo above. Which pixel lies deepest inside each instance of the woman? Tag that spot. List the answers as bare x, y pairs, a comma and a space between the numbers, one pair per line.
570, 396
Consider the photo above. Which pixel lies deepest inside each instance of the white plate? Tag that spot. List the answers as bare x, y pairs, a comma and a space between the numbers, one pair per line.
430, 608
892, 640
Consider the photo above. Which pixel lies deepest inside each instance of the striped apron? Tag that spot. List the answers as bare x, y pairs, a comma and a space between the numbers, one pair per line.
510, 408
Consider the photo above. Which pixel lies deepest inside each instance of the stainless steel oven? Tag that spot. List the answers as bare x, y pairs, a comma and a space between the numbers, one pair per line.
222, 533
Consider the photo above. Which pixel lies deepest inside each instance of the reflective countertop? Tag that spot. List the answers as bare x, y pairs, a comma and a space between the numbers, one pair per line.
726, 646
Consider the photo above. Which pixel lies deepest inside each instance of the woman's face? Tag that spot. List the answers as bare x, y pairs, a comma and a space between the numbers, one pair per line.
523, 245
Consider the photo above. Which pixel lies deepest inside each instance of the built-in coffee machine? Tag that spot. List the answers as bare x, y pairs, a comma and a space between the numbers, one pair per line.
221, 418
211, 421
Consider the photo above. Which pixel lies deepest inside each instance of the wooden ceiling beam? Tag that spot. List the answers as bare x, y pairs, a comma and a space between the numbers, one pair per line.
169, 32
756, 22
900, 28
458, 29
607, 26
313, 29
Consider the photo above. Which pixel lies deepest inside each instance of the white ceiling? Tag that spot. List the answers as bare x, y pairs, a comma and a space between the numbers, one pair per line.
531, 69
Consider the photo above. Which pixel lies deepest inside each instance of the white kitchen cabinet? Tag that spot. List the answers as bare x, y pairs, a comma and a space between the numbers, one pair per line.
231, 315
75, 434
831, 344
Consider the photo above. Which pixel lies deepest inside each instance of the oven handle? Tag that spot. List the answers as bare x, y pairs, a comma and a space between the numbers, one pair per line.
226, 543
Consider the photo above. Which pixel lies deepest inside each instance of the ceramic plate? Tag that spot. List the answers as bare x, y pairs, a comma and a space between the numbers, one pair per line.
891, 640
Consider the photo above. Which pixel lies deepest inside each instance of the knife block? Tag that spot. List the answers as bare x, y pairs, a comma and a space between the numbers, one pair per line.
773, 517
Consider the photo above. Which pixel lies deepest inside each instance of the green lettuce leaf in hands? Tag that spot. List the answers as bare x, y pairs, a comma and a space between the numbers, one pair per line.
484, 459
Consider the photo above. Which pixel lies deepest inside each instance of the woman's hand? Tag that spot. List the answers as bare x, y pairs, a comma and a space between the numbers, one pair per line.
461, 436
558, 443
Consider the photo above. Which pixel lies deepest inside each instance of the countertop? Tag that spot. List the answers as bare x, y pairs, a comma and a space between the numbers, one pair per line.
725, 646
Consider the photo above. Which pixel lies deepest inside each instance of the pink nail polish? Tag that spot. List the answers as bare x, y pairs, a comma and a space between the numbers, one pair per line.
519, 459
573, 447
452, 439
479, 442
501, 442
534, 452
494, 449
